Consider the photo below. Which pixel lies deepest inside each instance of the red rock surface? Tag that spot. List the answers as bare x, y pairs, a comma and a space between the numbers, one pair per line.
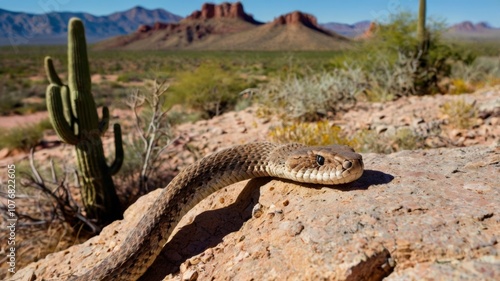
227, 26
413, 215
224, 10
297, 18
369, 32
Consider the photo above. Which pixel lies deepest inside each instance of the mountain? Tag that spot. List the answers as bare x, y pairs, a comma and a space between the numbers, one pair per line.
467, 26
206, 25
348, 30
467, 30
228, 27
22, 28
292, 31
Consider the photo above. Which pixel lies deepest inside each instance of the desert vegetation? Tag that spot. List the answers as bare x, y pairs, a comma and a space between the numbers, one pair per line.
307, 91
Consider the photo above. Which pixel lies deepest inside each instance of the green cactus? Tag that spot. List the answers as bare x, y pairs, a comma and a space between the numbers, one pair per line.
421, 31
73, 114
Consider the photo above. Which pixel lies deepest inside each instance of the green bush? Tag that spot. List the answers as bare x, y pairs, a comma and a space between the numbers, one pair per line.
419, 67
211, 88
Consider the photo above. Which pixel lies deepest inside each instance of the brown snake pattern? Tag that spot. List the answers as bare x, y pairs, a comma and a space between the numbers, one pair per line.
328, 165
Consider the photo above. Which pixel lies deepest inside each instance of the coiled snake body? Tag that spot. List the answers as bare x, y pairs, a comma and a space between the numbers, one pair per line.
329, 165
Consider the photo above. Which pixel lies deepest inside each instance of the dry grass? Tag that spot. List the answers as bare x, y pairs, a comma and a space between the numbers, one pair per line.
315, 133
460, 113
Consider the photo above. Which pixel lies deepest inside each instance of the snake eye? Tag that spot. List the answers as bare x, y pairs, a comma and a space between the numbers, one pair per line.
320, 160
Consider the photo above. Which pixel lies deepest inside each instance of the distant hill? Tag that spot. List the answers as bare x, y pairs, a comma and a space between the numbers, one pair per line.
467, 30
206, 25
22, 28
227, 27
224, 26
467, 26
347, 30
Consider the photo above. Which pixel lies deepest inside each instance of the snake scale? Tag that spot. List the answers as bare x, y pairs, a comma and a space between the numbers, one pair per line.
330, 165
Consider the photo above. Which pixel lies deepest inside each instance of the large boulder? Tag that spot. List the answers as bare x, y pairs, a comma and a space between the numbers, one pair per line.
413, 215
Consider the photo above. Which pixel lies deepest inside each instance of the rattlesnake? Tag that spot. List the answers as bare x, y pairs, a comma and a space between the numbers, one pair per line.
333, 164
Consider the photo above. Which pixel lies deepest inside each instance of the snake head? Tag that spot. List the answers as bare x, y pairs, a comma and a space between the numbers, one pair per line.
333, 164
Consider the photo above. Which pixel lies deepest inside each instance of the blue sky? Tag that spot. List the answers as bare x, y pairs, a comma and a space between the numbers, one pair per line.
452, 11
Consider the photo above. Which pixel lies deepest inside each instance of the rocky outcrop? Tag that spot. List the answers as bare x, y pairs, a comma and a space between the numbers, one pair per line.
411, 216
158, 26
299, 18
296, 18
369, 32
218, 20
224, 10
227, 26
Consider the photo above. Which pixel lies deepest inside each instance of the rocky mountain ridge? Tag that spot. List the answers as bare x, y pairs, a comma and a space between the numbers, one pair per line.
24, 28
227, 26
223, 10
468, 26
18, 28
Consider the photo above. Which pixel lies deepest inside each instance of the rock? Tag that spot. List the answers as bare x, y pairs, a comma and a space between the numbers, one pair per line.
412, 215
223, 10
296, 17
4, 152
299, 18
143, 28
370, 31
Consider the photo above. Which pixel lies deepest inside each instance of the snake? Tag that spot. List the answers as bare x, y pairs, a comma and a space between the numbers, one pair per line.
327, 165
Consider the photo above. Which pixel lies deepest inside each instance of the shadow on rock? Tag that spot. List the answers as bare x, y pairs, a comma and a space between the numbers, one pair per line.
209, 228
369, 178
206, 231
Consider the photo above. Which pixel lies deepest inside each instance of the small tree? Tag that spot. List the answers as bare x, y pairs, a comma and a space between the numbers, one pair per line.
153, 136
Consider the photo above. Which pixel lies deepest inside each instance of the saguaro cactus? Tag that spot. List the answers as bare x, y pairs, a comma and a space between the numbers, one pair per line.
74, 116
421, 31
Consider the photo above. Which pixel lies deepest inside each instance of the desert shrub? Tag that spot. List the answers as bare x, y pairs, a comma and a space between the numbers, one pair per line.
129, 77
315, 133
8, 103
461, 114
387, 80
459, 86
178, 116
24, 137
48, 217
483, 70
211, 88
406, 139
421, 66
313, 96
141, 171
388, 142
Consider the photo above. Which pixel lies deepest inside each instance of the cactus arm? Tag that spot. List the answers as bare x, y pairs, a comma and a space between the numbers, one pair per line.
51, 72
56, 114
104, 124
115, 167
68, 115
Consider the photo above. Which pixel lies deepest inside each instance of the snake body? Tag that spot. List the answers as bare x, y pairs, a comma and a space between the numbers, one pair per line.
330, 165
